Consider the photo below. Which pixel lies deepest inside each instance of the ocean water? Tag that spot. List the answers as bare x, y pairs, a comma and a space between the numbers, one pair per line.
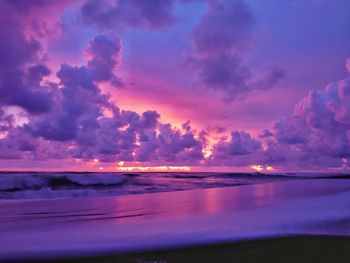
53, 228
47, 185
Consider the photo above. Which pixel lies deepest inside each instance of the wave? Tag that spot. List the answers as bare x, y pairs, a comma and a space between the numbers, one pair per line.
37, 181
39, 185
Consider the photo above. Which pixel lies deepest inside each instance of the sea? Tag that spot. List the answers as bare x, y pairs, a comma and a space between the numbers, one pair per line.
47, 185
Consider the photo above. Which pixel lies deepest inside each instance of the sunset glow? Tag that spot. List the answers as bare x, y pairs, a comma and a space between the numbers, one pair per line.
154, 169
261, 168
141, 84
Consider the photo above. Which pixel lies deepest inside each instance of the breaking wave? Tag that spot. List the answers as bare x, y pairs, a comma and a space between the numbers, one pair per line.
36, 181
37, 185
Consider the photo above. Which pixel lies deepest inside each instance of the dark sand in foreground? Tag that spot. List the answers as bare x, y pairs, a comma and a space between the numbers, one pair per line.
288, 249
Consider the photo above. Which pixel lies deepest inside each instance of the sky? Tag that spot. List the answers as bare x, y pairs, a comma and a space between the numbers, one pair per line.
175, 85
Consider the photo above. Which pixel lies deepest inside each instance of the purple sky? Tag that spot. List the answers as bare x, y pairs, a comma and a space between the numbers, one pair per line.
210, 85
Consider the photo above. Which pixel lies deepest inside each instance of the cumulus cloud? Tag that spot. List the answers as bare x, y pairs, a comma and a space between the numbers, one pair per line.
327, 115
240, 150
78, 101
317, 135
220, 40
73, 118
173, 145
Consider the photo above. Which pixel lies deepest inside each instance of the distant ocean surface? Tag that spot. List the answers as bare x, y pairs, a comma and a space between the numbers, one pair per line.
47, 185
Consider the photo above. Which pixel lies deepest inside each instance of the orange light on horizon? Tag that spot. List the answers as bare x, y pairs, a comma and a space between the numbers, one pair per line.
270, 168
259, 168
153, 168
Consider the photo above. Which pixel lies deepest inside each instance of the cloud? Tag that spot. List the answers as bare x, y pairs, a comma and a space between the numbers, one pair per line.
220, 40
265, 134
320, 126
39, 18
317, 135
20, 74
291, 131
240, 150
223, 72
66, 119
16, 144
227, 26
105, 57
6, 122
327, 116
78, 100
83, 123
169, 145
173, 145
271, 79
116, 15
